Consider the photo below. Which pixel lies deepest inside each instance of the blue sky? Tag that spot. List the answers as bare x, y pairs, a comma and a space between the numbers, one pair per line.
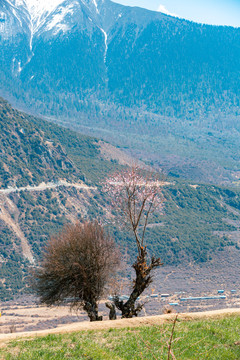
216, 12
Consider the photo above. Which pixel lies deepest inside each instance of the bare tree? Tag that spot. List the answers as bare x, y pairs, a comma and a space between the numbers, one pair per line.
77, 264
136, 194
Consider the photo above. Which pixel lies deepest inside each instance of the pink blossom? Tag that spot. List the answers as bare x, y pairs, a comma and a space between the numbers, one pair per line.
136, 194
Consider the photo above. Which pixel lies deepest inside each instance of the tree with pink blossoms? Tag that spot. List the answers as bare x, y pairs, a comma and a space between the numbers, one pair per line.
136, 193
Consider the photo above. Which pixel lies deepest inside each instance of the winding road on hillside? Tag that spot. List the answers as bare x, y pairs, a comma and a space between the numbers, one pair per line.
45, 186
6, 217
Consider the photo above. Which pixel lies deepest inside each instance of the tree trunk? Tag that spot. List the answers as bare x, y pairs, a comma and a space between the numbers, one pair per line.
141, 283
129, 309
92, 311
112, 312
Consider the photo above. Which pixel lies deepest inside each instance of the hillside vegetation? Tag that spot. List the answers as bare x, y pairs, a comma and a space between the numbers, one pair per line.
197, 219
33, 150
167, 87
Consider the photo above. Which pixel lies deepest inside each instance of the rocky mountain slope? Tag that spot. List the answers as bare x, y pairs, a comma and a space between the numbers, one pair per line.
32, 151
164, 82
50, 175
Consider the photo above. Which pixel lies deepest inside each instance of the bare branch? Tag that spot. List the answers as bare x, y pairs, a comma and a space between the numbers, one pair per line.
171, 339
146, 221
136, 194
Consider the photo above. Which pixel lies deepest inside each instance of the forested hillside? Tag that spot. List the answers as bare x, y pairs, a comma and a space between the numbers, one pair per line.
196, 219
33, 150
132, 76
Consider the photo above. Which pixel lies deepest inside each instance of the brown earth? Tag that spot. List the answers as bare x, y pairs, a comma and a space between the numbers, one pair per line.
122, 323
189, 279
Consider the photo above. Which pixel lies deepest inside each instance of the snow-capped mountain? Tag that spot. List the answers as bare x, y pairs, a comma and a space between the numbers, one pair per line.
129, 55
94, 61
33, 22
37, 16
43, 36
40, 9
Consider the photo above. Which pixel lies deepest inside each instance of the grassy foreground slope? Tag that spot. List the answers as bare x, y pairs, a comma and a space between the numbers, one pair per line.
213, 339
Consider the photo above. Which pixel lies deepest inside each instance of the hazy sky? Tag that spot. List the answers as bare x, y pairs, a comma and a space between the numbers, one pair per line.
216, 12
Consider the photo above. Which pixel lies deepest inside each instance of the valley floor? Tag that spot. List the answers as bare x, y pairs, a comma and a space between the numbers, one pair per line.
182, 281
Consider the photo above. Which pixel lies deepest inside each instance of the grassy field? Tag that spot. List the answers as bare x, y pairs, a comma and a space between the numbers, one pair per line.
199, 340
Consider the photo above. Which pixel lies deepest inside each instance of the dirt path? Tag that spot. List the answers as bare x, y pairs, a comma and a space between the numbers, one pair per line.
121, 323
44, 186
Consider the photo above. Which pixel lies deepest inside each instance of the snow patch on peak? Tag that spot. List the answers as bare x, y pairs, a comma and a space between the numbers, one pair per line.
56, 22
95, 4
39, 6
39, 9
19, 67
16, 3
105, 42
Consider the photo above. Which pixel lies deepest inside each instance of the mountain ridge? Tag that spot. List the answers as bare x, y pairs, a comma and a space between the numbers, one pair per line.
133, 71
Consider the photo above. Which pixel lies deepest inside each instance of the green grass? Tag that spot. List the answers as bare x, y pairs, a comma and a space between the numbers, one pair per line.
199, 340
